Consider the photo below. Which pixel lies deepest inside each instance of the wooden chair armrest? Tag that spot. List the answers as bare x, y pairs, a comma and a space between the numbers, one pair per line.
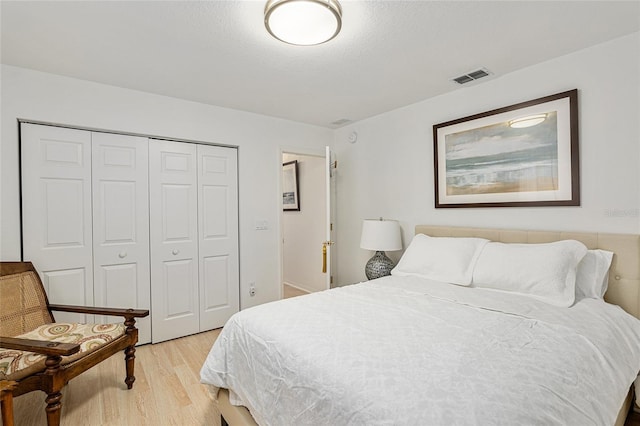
43, 347
117, 312
7, 386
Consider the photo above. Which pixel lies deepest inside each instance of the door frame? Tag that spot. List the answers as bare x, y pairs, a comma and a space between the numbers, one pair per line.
310, 152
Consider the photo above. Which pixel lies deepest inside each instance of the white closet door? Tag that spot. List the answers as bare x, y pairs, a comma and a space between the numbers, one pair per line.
56, 213
218, 235
121, 226
174, 239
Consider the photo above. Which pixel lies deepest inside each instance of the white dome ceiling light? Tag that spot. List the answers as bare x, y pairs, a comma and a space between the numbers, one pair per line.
303, 22
528, 121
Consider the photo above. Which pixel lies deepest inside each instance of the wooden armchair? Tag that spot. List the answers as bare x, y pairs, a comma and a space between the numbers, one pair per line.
36, 353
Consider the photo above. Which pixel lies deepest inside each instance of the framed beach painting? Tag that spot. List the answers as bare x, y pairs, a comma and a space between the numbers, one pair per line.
290, 196
523, 155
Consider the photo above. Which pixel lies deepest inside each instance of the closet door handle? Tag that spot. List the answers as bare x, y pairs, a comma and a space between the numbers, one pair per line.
122, 254
175, 251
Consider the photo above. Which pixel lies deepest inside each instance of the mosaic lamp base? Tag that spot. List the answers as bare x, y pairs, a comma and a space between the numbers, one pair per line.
378, 266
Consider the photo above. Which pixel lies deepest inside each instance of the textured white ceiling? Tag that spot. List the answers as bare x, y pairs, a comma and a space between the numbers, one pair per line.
389, 53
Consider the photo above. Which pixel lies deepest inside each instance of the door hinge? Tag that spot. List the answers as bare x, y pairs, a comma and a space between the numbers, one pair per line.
331, 280
331, 227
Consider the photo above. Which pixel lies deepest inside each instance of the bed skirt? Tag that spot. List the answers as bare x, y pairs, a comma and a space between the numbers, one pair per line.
240, 416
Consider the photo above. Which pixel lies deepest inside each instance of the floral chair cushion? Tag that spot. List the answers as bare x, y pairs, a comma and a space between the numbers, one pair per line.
15, 365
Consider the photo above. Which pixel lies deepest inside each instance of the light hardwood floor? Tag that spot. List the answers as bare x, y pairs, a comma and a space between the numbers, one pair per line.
289, 291
167, 390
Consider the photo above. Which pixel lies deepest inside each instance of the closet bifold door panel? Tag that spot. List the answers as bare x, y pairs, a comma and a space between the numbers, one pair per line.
120, 181
126, 221
174, 239
56, 213
218, 235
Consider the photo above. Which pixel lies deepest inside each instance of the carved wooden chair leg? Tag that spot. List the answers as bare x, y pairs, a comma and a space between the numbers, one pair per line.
54, 397
6, 402
130, 358
53, 408
129, 352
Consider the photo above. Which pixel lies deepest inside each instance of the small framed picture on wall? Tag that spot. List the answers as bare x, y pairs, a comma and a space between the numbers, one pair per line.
290, 194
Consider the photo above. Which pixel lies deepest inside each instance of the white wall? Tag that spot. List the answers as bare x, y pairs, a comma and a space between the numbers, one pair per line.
303, 231
45, 97
389, 170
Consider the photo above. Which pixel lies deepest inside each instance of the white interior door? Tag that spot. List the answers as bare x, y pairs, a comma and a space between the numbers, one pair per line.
121, 225
174, 239
218, 235
56, 213
331, 165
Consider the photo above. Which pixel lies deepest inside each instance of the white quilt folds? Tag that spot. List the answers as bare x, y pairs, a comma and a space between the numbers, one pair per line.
408, 351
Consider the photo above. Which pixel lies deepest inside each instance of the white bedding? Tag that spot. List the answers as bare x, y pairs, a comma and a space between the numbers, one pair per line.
407, 351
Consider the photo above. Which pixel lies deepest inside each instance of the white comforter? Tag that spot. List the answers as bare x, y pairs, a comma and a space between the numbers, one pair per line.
406, 351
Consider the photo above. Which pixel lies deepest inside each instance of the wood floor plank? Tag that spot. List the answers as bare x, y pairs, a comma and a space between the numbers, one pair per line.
289, 291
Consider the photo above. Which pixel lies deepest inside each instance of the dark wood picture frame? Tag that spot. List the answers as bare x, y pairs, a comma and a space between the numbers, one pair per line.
494, 159
290, 186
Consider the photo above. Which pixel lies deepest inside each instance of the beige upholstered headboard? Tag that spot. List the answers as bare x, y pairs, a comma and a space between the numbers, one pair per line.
624, 276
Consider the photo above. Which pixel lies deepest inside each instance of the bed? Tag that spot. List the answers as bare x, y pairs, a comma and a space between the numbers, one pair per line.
412, 350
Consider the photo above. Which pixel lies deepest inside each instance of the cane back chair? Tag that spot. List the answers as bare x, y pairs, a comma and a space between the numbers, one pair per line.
36, 353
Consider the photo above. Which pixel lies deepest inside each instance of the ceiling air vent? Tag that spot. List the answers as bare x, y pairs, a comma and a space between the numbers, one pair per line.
472, 76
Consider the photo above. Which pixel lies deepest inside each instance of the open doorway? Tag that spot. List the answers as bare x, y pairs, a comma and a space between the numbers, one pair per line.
303, 225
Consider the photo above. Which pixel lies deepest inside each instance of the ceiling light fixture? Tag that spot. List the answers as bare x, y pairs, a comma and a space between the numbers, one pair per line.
528, 121
303, 22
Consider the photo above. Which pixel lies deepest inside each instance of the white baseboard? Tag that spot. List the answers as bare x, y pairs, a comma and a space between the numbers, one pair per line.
299, 287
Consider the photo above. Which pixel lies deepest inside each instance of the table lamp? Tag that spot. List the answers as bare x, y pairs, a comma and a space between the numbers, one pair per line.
380, 235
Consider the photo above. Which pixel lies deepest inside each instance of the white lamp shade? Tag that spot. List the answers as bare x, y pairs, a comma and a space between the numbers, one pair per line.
381, 235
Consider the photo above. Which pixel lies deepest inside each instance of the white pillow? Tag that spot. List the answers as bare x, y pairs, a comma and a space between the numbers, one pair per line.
443, 259
593, 274
546, 272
